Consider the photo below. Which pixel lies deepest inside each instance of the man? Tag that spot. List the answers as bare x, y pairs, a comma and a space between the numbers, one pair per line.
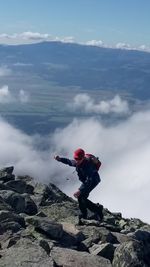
88, 175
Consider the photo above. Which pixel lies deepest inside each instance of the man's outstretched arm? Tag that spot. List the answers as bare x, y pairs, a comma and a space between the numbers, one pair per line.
65, 161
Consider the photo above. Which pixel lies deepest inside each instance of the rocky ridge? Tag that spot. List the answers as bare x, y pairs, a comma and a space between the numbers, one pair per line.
38, 227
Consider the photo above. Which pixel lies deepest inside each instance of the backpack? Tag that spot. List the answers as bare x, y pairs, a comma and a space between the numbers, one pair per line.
95, 160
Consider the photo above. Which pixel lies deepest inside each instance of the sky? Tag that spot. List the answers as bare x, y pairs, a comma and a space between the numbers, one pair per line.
115, 22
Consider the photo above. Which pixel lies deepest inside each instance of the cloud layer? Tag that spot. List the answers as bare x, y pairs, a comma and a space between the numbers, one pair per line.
85, 103
33, 37
124, 150
5, 71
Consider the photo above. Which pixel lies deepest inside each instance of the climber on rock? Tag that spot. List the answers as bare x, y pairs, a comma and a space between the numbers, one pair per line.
87, 167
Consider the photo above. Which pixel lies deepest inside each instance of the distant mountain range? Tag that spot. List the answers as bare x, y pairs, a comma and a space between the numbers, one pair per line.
52, 73
87, 67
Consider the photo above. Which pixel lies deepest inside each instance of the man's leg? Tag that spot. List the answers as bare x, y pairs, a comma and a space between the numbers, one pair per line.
82, 200
95, 208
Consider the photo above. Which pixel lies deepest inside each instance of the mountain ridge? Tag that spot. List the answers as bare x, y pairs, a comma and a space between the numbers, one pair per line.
85, 66
38, 227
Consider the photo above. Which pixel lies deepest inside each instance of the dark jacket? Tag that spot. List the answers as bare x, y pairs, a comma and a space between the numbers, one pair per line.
87, 173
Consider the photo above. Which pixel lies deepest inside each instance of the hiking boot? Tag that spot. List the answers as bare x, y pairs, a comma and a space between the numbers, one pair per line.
80, 217
79, 223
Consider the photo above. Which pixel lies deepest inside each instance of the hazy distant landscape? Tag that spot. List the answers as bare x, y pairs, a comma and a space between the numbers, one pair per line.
51, 74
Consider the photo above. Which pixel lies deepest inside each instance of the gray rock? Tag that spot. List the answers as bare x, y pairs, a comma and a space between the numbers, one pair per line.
44, 244
4, 205
122, 223
50, 228
9, 221
71, 236
8, 216
91, 222
100, 233
21, 203
71, 258
12, 241
30, 206
87, 243
142, 236
6, 174
8, 170
3, 186
20, 186
56, 195
48, 194
15, 200
105, 250
41, 214
132, 225
110, 219
62, 212
91, 232
122, 237
41, 193
27, 254
145, 227
10, 226
129, 254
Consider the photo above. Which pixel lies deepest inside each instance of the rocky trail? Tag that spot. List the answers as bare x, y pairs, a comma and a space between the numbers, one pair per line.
38, 228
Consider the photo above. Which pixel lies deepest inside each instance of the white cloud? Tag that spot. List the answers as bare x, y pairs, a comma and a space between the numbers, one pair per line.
20, 64
68, 39
5, 95
34, 37
124, 150
5, 71
86, 104
23, 96
124, 46
18, 149
95, 43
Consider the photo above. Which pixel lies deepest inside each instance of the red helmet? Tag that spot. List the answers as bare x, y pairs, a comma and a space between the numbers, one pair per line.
79, 154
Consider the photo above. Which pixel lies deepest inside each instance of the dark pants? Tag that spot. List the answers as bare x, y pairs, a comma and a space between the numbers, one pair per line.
85, 203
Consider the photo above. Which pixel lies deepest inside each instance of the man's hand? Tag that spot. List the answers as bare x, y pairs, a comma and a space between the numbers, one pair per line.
57, 158
77, 194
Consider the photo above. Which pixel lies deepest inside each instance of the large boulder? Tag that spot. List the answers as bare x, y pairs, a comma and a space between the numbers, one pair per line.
20, 186
98, 234
50, 228
48, 194
105, 250
4, 205
6, 174
21, 203
67, 257
27, 254
63, 212
129, 254
10, 221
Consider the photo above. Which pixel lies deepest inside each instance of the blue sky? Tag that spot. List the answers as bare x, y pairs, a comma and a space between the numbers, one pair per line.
111, 21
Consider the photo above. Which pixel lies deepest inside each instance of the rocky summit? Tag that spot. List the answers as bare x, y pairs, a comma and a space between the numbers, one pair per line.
38, 227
